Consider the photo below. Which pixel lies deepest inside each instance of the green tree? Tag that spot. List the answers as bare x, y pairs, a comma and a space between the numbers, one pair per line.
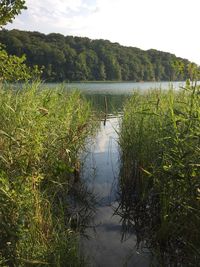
75, 58
13, 68
9, 9
102, 72
113, 69
82, 70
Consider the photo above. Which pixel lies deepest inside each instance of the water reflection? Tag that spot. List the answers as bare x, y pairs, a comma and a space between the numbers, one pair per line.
102, 162
114, 103
104, 248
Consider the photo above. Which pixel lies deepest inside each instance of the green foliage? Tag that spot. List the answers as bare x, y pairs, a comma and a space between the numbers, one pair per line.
160, 172
44, 205
75, 58
9, 9
13, 68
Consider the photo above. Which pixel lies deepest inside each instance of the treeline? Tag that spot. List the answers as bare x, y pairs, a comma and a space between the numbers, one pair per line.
68, 58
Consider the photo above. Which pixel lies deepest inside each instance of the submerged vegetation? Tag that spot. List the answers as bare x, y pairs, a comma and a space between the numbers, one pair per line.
160, 174
44, 205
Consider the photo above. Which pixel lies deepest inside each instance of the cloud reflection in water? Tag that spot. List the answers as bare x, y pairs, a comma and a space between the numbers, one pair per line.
104, 248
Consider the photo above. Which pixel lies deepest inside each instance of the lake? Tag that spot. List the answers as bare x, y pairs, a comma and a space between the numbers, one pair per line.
105, 247
117, 87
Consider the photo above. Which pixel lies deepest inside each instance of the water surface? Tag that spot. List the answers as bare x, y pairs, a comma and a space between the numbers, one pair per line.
105, 247
117, 87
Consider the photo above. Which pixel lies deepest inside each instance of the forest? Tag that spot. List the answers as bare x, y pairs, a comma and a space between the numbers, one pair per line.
69, 58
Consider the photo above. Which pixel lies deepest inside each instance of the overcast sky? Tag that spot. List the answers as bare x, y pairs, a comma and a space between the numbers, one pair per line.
167, 25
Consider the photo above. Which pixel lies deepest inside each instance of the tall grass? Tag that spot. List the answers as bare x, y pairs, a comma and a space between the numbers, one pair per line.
160, 174
43, 202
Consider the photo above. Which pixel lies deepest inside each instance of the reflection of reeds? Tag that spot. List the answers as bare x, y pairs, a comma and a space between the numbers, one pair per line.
160, 171
106, 110
44, 205
106, 105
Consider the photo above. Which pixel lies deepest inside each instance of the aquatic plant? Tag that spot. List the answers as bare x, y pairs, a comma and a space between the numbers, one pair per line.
160, 171
43, 204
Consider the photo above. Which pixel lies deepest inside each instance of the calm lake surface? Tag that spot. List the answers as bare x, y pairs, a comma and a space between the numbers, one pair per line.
105, 247
117, 87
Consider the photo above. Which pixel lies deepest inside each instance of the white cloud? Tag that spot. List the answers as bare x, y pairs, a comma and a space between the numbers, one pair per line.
168, 25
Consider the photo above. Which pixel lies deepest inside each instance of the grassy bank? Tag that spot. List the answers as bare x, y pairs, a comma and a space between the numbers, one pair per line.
160, 174
43, 204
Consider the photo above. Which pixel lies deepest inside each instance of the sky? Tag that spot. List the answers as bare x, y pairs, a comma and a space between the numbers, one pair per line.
166, 25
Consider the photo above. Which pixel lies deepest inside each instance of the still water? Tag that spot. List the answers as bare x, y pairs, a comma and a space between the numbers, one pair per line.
117, 87
105, 247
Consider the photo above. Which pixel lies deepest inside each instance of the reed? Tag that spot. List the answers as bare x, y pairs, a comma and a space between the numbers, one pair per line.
43, 204
160, 174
